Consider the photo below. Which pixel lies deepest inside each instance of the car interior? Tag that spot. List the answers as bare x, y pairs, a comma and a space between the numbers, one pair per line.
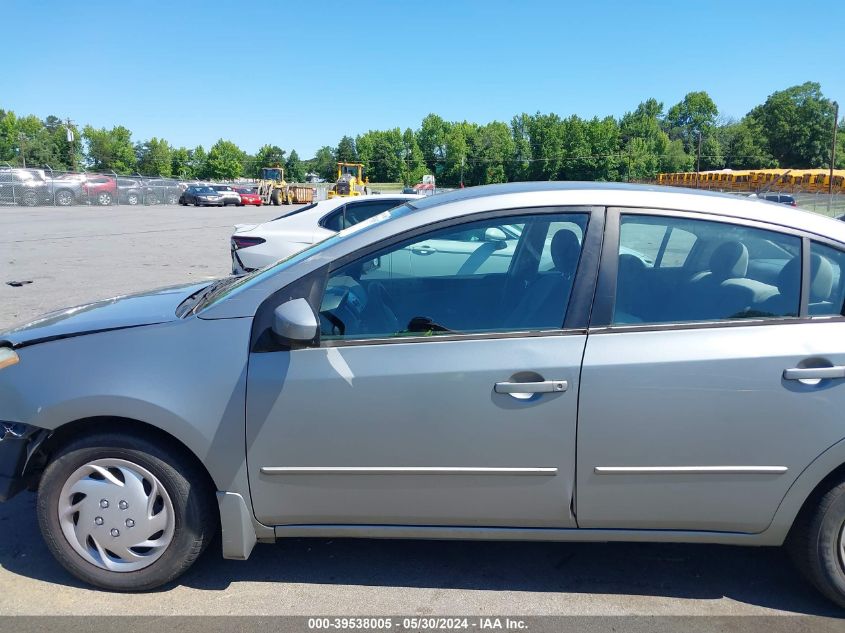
669, 270
728, 272
362, 300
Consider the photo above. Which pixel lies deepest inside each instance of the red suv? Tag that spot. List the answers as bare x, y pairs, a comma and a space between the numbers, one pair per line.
100, 189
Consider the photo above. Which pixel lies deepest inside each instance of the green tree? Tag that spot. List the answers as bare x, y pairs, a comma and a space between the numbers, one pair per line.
346, 151
744, 146
294, 169
269, 156
432, 141
225, 161
519, 168
695, 115
413, 163
180, 163
797, 124
155, 158
8, 136
199, 163
110, 150
325, 163
491, 150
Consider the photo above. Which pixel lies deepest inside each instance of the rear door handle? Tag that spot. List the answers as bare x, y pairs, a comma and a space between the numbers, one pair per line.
814, 373
547, 386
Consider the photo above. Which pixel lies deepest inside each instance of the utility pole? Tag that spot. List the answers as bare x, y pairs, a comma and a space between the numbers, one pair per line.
833, 148
462, 172
698, 163
22, 141
70, 140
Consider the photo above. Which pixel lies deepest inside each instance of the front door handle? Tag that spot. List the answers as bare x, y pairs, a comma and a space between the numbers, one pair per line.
814, 373
546, 386
423, 249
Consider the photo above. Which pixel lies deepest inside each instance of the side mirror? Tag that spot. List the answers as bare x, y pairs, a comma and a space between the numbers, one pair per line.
495, 234
294, 321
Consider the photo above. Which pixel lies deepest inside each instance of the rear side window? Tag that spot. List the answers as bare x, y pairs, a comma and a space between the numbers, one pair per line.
353, 213
827, 293
715, 271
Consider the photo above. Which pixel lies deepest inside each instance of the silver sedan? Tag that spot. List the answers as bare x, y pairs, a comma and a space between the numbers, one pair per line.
552, 361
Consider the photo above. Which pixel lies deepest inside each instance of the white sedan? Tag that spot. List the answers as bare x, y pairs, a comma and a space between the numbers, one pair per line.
257, 245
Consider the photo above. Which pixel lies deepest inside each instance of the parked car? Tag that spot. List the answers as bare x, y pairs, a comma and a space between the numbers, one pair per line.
67, 189
20, 186
162, 191
781, 198
230, 196
130, 191
100, 189
201, 197
248, 196
698, 398
256, 245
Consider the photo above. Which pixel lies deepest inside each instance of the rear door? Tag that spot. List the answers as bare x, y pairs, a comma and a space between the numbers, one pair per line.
703, 424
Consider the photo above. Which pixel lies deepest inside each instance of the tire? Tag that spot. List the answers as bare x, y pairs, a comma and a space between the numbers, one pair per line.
172, 198
275, 198
63, 198
104, 198
29, 199
817, 543
132, 199
184, 523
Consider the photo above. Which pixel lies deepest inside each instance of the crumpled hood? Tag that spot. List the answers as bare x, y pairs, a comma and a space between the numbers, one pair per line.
146, 308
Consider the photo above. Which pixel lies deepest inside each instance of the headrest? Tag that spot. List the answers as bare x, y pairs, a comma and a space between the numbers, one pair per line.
565, 249
729, 260
821, 277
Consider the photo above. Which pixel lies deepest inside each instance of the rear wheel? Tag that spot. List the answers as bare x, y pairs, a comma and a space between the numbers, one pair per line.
104, 198
124, 513
172, 198
132, 199
817, 543
275, 198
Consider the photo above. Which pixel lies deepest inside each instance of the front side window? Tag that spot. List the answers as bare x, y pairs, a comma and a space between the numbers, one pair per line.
483, 276
673, 269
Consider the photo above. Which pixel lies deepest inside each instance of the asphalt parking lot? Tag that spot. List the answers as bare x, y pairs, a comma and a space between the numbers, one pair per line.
75, 255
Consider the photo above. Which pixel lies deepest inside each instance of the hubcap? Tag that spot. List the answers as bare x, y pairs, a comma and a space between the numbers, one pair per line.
116, 515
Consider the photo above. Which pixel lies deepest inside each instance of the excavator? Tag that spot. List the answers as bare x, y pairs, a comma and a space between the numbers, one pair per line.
273, 189
350, 180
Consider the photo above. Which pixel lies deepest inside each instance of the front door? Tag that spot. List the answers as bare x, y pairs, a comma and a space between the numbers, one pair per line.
409, 411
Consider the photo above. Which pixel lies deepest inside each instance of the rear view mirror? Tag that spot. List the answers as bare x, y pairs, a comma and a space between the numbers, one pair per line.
294, 322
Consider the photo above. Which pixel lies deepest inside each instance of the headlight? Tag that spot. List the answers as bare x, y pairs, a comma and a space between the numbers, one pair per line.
8, 357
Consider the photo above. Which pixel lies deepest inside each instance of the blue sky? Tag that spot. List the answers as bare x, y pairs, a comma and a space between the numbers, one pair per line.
302, 74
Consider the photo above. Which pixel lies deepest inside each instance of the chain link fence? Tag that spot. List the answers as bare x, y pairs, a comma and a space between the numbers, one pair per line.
32, 187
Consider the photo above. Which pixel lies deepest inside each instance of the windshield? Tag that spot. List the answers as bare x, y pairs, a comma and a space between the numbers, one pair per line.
250, 279
204, 190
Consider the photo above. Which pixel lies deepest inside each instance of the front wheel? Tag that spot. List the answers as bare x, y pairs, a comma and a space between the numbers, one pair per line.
124, 513
64, 198
817, 543
275, 198
104, 198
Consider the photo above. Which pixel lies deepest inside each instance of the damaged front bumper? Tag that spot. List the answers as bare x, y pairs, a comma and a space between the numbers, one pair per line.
18, 443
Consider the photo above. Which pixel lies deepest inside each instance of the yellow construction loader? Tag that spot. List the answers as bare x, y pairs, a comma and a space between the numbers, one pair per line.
350, 181
273, 189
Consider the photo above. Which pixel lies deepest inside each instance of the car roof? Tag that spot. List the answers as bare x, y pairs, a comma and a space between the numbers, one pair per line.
535, 194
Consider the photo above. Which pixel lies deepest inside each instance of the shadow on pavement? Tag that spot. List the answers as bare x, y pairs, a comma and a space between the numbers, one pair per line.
761, 577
